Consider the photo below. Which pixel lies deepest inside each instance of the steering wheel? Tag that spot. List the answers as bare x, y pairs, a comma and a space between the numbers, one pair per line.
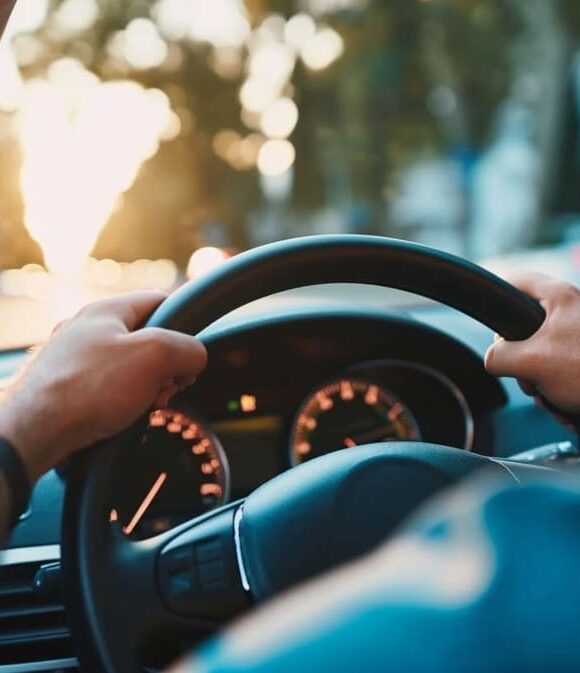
196, 576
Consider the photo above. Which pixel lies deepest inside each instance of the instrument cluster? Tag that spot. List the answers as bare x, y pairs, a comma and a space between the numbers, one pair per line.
192, 464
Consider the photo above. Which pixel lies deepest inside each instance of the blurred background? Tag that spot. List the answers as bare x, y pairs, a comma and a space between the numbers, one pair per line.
145, 141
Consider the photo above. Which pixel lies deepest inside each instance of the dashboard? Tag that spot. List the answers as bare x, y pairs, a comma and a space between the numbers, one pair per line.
270, 373
258, 408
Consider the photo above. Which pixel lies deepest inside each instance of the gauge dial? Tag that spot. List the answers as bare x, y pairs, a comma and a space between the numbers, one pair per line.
182, 473
348, 412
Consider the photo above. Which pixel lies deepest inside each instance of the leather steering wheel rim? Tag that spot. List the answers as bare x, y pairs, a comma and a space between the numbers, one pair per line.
87, 540
371, 260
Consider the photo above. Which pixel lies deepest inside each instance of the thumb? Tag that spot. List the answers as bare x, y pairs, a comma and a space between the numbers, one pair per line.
507, 358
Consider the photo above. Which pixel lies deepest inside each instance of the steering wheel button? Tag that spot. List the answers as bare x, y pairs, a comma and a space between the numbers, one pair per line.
182, 584
178, 559
215, 587
212, 572
209, 551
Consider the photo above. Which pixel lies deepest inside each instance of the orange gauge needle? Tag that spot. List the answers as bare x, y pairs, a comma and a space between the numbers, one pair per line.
153, 491
349, 443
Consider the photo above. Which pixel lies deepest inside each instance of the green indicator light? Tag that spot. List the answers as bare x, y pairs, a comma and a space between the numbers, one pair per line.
233, 405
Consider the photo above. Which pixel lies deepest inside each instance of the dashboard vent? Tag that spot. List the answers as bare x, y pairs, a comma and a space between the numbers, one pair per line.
33, 625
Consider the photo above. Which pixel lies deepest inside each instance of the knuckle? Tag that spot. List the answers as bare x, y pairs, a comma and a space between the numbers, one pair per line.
94, 309
533, 363
85, 311
157, 343
563, 291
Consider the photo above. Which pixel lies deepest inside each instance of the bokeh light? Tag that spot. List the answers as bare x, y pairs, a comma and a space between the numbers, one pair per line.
280, 118
256, 94
74, 16
271, 62
222, 23
276, 157
140, 45
325, 48
300, 31
205, 260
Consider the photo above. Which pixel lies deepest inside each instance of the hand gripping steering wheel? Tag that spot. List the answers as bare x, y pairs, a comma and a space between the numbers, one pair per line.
196, 576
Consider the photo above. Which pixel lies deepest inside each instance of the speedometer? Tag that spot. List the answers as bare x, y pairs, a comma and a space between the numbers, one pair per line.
182, 472
348, 412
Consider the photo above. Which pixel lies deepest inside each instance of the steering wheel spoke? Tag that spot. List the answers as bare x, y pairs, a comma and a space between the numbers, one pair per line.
184, 581
198, 570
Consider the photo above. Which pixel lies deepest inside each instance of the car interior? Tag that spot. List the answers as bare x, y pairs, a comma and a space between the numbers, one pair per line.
346, 327
340, 376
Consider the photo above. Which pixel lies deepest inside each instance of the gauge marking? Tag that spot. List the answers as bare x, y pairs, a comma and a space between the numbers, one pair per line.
346, 391
207, 468
303, 448
324, 401
372, 396
211, 489
144, 506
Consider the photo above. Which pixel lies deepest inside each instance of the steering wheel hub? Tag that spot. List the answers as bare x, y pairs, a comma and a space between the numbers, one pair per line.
338, 507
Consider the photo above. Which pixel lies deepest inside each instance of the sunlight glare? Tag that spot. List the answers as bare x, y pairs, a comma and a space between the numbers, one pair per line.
82, 148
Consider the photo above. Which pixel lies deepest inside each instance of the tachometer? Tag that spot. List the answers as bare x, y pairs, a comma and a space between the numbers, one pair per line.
182, 473
348, 412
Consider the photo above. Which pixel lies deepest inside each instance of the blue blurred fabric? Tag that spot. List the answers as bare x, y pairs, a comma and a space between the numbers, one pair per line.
485, 579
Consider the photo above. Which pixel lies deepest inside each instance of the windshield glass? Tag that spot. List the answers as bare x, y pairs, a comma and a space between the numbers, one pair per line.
142, 143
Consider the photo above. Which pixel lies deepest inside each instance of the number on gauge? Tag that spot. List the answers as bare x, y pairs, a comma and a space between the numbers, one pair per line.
349, 412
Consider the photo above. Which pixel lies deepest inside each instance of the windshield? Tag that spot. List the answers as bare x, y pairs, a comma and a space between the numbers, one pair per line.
142, 143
